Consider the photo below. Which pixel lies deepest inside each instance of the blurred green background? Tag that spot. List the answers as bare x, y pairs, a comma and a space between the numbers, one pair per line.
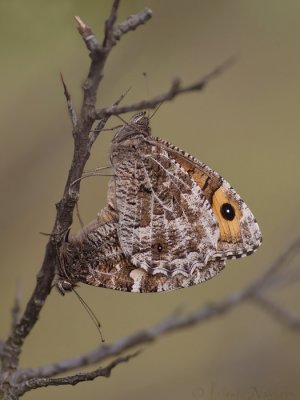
245, 125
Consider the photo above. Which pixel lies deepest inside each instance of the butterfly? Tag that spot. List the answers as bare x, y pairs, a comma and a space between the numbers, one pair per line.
171, 221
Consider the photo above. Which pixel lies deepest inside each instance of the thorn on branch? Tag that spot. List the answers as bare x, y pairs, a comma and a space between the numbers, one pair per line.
72, 112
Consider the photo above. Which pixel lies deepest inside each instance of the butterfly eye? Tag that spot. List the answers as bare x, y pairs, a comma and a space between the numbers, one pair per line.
227, 211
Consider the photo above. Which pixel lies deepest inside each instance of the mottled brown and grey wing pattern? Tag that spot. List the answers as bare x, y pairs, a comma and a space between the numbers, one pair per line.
171, 221
239, 232
166, 224
94, 257
175, 212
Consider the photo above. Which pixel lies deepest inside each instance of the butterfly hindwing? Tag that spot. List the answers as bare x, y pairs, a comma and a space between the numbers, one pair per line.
94, 257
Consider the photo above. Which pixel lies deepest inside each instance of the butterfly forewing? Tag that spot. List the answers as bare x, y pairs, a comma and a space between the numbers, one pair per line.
166, 224
175, 213
239, 233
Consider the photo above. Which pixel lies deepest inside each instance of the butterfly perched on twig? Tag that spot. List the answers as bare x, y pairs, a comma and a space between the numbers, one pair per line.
171, 221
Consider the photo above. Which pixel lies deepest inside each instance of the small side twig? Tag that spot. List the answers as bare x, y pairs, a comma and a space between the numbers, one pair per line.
175, 89
277, 310
131, 23
99, 127
105, 372
109, 25
87, 34
71, 110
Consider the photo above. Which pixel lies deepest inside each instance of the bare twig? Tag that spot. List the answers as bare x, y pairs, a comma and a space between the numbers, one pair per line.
131, 23
277, 310
71, 110
16, 310
144, 336
175, 89
282, 261
281, 280
109, 24
87, 34
99, 127
65, 207
105, 372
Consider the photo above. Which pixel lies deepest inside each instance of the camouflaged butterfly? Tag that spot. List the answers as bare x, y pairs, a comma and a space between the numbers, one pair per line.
171, 221
94, 257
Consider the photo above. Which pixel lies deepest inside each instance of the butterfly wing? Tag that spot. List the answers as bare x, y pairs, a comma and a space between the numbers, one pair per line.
166, 224
94, 257
239, 232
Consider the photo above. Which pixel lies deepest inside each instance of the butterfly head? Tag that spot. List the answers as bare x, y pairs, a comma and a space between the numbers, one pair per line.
66, 261
139, 125
63, 286
141, 120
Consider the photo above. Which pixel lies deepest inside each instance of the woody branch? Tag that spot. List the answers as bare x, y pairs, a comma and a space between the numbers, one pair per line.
82, 124
84, 138
15, 381
105, 372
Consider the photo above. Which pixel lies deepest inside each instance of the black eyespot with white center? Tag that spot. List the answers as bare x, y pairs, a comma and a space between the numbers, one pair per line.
227, 211
159, 247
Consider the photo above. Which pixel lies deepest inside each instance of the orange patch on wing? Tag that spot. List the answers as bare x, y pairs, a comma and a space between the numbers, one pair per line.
209, 183
230, 231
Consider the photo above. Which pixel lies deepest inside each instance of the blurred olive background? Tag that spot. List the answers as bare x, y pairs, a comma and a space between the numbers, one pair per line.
245, 125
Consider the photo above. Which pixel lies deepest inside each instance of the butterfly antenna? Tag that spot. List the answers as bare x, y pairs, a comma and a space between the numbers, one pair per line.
156, 109
128, 123
116, 103
123, 120
90, 313
145, 75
